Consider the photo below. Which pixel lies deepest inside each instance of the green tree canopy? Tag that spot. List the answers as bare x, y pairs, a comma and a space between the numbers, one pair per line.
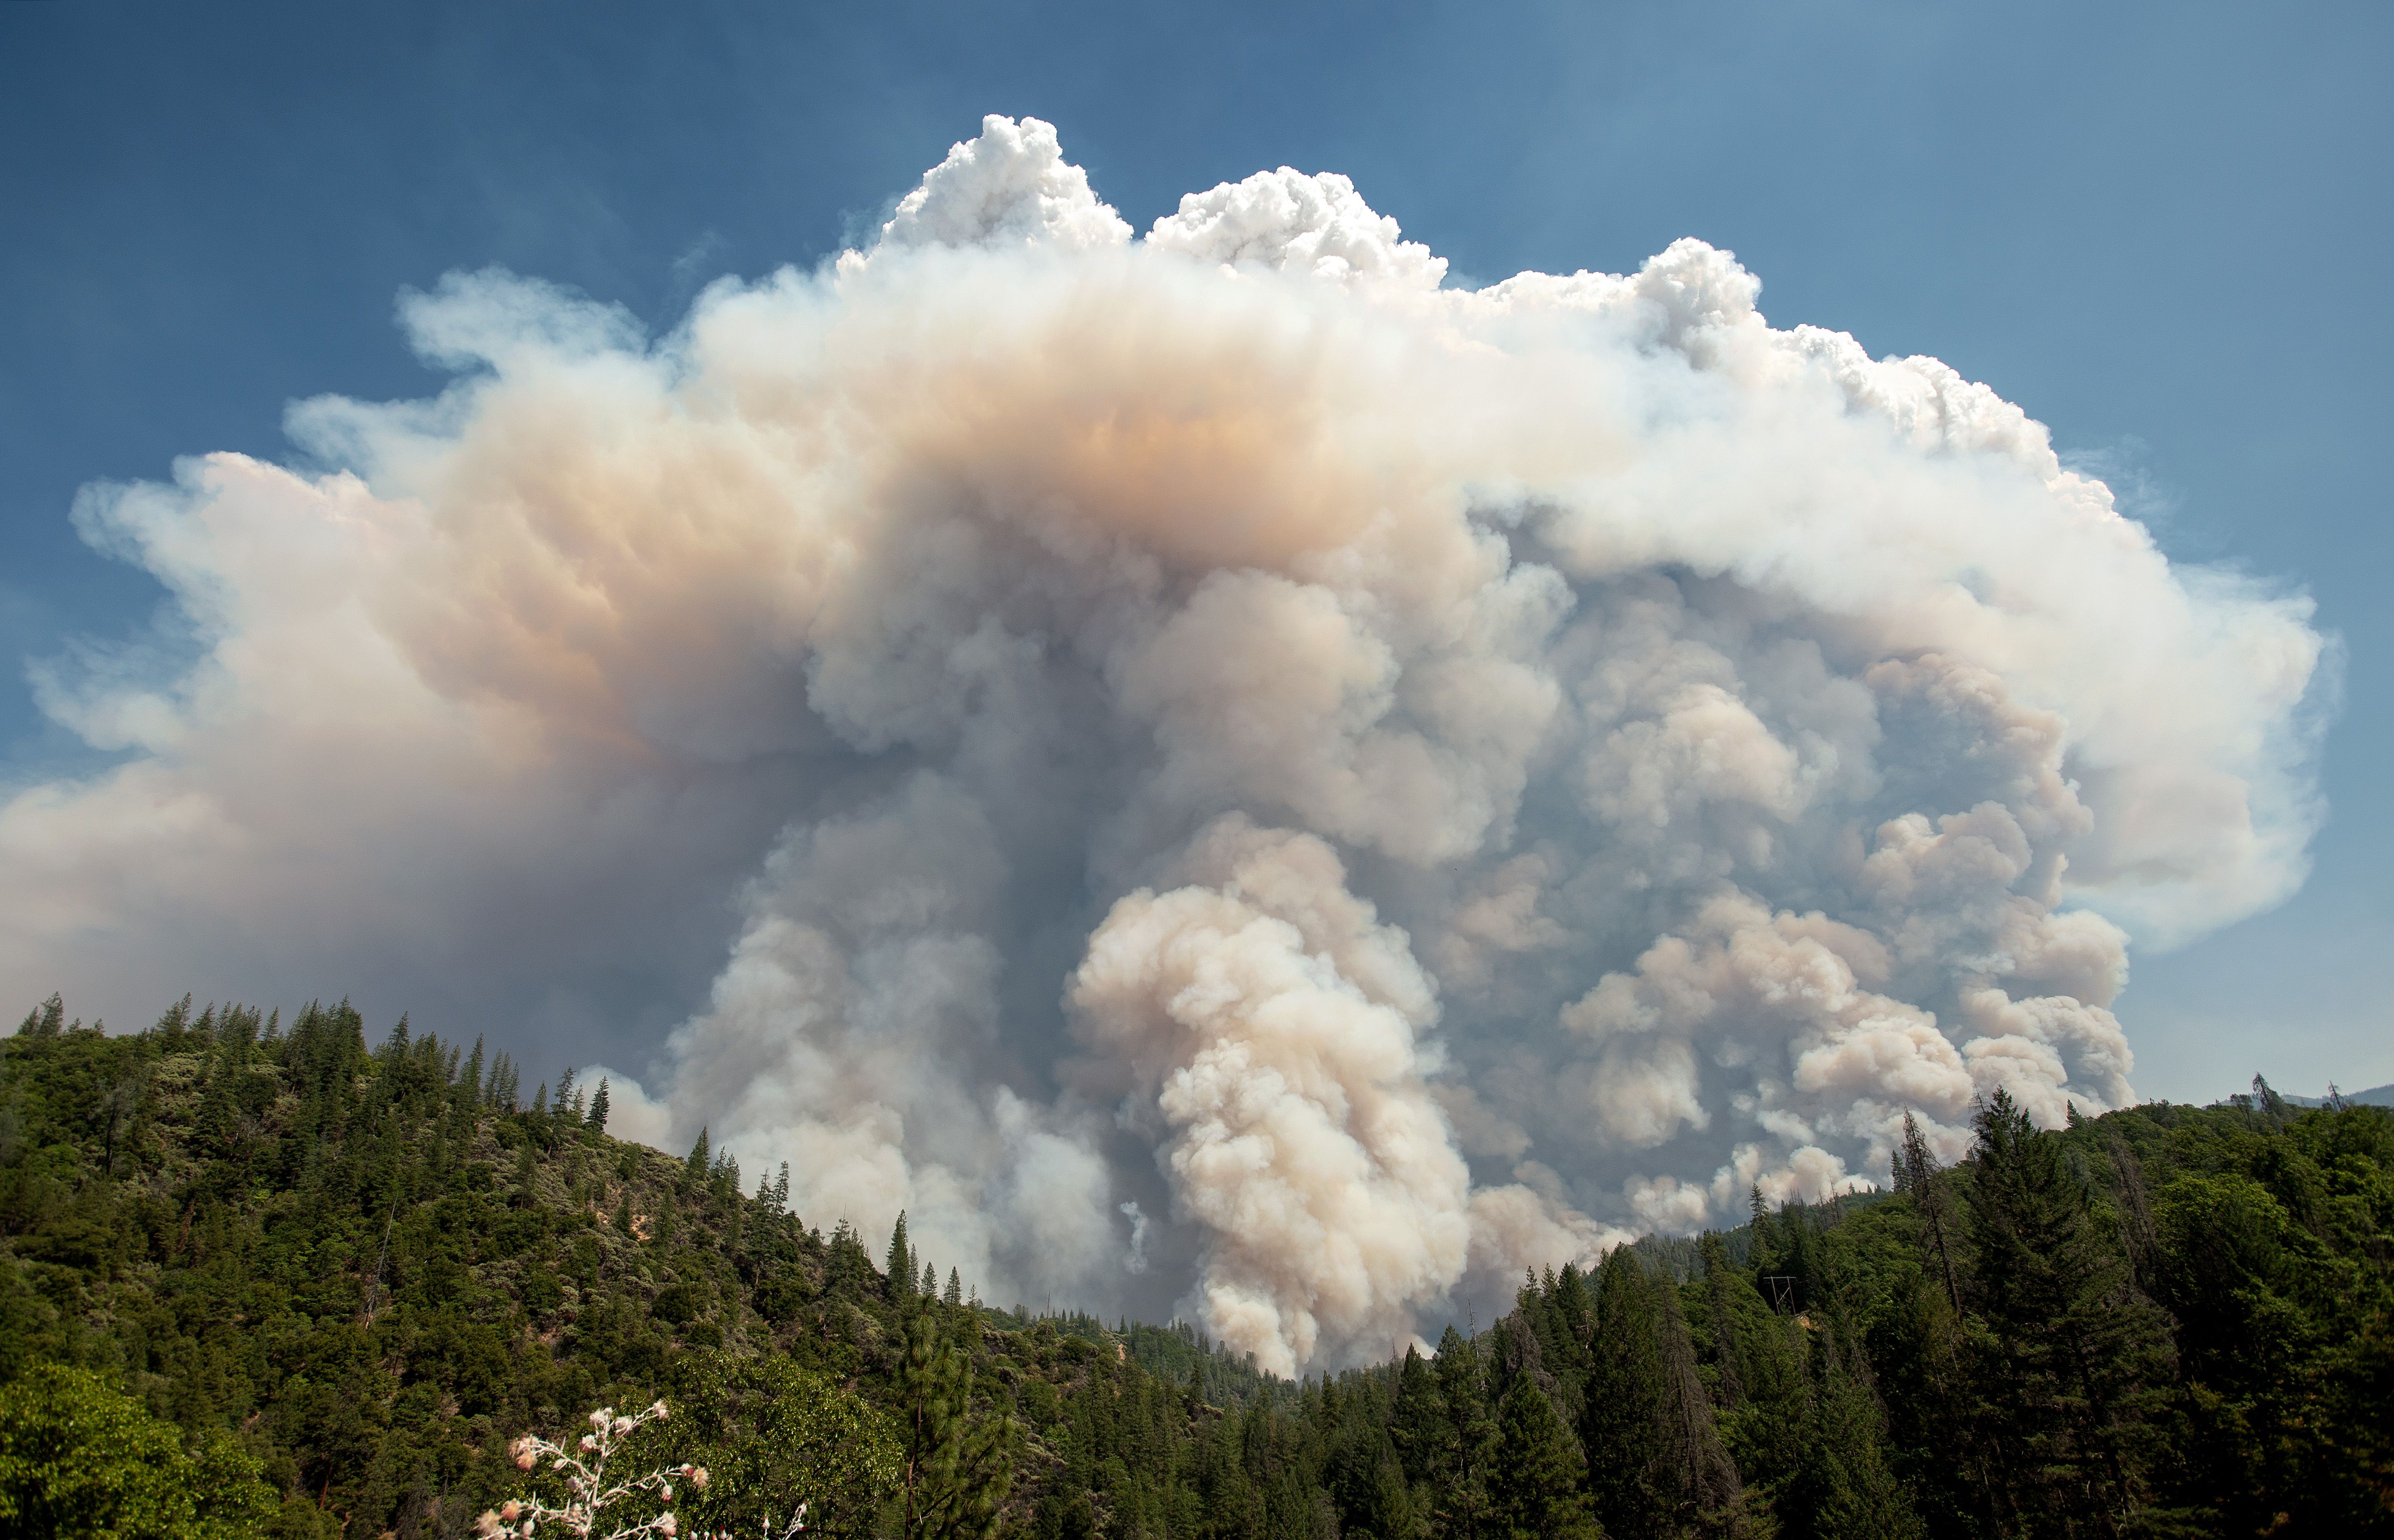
78, 1459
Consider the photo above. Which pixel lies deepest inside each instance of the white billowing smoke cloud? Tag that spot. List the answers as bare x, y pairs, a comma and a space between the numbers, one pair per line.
1261, 1024
1227, 774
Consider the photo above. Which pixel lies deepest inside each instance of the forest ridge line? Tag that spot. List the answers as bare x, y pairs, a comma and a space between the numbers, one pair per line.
336, 1281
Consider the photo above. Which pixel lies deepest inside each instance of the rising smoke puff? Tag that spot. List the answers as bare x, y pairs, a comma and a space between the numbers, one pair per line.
1264, 1022
1211, 769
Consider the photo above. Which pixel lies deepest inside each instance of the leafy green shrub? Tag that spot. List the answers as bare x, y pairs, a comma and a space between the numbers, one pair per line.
77, 1458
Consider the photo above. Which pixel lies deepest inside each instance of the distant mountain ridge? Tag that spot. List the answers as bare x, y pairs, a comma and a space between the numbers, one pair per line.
2376, 1096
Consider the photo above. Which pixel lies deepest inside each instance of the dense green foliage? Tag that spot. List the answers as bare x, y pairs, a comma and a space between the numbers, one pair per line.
230, 1251
78, 1458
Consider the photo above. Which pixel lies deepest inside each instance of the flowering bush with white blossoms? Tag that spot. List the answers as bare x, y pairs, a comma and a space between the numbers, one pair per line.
594, 1500
589, 1494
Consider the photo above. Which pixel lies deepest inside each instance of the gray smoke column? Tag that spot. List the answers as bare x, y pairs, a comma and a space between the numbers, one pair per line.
1213, 771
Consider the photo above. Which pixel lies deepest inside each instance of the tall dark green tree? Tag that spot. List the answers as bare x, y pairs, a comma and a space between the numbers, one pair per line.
1719, 1320
1622, 1426
1537, 1483
899, 1264
957, 1469
1916, 1177
1460, 1503
2076, 1351
1840, 1486
1419, 1429
1694, 1473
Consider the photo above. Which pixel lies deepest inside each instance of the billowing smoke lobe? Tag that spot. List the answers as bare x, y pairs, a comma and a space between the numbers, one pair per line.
1214, 771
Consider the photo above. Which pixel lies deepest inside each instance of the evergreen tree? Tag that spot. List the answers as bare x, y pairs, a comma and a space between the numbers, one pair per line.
1229, 1507
899, 1264
955, 1291
46, 1020
596, 1119
1625, 1405
1861, 1498
1461, 1503
958, 1470
1718, 1318
928, 1285
846, 1266
698, 1163
1925, 1381
2074, 1347
1574, 1314
1916, 1172
1534, 1486
1694, 1473
1419, 1427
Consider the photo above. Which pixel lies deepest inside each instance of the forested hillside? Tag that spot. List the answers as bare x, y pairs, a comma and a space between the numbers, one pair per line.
291, 1282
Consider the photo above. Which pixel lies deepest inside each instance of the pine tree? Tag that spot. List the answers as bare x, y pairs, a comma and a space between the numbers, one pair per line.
596, 1119
1624, 1412
1534, 1484
846, 1264
1385, 1508
1229, 1507
955, 1291
899, 1262
959, 1469
1574, 1313
2075, 1348
1916, 1179
48, 1020
1419, 1425
1461, 1508
1692, 1467
696, 1165
1859, 1498
928, 1287
1724, 1328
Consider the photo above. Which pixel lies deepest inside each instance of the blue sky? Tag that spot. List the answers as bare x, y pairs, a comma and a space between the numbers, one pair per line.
2161, 229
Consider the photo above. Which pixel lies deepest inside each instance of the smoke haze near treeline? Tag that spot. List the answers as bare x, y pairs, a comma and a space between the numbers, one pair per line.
1214, 771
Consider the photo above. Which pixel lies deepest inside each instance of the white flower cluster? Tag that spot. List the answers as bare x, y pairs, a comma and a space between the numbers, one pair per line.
589, 1496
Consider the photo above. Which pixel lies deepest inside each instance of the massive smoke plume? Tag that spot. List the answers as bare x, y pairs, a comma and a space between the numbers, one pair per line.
1215, 771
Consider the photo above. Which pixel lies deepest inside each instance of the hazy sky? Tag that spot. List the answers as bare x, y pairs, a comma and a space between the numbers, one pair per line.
2161, 229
